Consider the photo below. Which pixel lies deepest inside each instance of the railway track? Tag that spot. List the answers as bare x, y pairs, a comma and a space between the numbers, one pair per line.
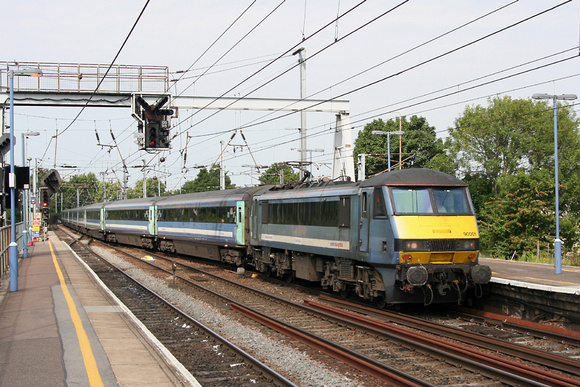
390, 355
212, 359
563, 354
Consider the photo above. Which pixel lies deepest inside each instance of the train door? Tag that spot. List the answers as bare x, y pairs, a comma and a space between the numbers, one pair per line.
152, 216
254, 223
363, 231
102, 219
240, 222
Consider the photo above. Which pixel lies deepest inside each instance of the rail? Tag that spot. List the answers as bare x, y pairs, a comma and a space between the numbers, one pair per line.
85, 77
4, 247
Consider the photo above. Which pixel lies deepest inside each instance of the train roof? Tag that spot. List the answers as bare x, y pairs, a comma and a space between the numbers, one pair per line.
210, 196
413, 176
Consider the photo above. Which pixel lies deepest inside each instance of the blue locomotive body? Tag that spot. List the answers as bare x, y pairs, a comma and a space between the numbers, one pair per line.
406, 236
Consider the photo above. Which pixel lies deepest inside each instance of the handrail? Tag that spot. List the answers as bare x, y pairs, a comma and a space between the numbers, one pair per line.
5, 239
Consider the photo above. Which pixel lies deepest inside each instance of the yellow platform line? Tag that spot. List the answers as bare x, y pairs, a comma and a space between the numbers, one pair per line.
84, 343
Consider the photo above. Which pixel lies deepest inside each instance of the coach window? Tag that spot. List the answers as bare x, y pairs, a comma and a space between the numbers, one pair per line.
265, 212
364, 205
379, 209
344, 212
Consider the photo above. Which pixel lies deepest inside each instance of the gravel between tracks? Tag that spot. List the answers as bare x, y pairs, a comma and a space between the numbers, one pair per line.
286, 359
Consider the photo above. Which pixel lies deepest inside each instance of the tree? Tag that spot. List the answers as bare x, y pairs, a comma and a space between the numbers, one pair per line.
420, 145
506, 153
85, 188
519, 216
272, 174
509, 136
153, 187
205, 181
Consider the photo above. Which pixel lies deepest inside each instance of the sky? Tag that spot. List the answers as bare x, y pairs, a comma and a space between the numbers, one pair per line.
387, 58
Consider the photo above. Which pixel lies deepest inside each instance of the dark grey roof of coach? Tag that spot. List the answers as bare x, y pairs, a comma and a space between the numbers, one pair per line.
412, 176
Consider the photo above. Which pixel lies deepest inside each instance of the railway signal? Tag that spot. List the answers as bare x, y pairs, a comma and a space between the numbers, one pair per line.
156, 123
45, 200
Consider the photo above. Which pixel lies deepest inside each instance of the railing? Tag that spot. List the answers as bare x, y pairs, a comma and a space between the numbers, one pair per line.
5, 247
85, 77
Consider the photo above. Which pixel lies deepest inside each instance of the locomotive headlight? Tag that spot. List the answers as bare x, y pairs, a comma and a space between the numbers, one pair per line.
467, 244
415, 245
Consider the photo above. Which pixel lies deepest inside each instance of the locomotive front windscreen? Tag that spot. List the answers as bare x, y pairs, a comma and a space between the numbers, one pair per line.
450, 201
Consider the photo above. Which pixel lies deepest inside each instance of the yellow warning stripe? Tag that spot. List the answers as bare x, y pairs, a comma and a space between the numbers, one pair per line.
84, 343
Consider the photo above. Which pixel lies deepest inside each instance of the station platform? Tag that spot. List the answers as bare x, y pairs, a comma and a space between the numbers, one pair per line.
62, 327
535, 276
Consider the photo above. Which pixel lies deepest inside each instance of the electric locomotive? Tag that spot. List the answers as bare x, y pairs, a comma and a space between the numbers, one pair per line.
407, 236
400, 237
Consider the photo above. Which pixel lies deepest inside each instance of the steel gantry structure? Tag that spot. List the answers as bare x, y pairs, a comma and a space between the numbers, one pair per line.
90, 85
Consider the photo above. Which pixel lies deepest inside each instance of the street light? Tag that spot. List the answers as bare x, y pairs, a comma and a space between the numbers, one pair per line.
557, 241
25, 136
388, 134
12, 178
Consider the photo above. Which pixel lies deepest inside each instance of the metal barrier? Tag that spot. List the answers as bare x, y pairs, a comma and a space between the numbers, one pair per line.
85, 77
5, 247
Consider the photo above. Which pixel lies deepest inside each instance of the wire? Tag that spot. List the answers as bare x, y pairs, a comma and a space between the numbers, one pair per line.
108, 69
399, 55
210, 46
398, 73
267, 65
240, 40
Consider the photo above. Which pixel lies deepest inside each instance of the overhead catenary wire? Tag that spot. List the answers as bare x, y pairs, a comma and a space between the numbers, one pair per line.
409, 68
191, 142
402, 53
108, 69
291, 49
210, 46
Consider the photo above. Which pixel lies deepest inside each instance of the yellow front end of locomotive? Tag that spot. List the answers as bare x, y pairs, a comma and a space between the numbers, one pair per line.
438, 232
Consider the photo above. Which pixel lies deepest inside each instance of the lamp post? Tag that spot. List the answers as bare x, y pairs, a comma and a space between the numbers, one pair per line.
25, 136
388, 134
13, 251
557, 241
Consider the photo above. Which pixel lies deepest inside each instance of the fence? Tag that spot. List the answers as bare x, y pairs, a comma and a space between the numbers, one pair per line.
5, 245
85, 77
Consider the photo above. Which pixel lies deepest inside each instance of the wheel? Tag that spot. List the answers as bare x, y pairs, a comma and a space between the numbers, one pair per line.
345, 292
290, 276
380, 302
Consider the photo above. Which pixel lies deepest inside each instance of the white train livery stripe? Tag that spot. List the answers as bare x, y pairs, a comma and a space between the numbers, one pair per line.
197, 231
314, 242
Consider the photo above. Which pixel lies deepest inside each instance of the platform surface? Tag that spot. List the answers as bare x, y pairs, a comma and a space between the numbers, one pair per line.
62, 328
534, 275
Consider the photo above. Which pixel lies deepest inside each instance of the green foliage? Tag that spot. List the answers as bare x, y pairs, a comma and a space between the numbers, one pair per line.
420, 146
205, 181
510, 136
88, 189
154, 186
519, 216
506, 154
272, 174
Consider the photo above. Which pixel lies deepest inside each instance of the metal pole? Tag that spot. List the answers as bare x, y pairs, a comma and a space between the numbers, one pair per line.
389, 149
303, 142
557, 242
222, 169
35, 186
400, 144
24, 208
13, 247
144, 180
